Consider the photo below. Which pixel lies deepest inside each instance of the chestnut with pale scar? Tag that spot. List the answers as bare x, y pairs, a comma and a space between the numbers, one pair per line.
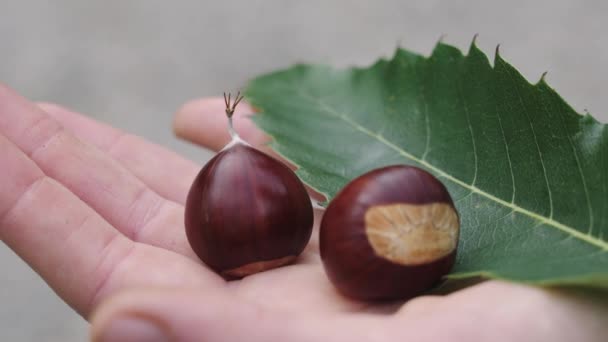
412, 234
391, 233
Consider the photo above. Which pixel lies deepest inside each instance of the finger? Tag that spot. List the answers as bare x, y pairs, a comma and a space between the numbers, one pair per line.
563, 314
53, 231
164, 171
188, 315
74, 250
107, 187
203, 122
501, 311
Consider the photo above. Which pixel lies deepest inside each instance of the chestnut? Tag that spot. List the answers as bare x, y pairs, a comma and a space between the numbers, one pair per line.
246, 212
391, 233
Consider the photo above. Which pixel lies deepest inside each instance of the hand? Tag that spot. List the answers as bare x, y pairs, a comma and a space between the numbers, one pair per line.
99, 215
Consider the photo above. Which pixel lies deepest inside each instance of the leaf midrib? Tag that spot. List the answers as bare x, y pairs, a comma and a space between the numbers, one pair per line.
515, 208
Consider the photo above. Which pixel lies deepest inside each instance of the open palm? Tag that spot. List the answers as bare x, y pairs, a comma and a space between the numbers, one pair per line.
99, 215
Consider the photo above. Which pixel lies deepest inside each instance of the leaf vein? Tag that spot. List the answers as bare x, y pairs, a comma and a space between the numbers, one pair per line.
504, 138
467, 115
580, 172
540, 154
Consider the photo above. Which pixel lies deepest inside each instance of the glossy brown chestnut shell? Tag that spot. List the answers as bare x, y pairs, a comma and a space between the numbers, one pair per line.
391, 233
247, 212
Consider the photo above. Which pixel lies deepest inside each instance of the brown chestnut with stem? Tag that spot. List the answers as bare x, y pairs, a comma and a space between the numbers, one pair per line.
246, 212
391, 233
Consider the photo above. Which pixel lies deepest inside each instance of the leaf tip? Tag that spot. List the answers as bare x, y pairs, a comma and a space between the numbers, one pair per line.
589, 118
474, 42
441, 38
441, 48
543, 78
399, 43
497, 57
473, 47
439, 41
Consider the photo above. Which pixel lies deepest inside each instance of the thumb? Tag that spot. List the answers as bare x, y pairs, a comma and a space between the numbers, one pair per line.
194, 315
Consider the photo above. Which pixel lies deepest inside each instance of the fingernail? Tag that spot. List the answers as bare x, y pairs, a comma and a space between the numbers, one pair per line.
132, 329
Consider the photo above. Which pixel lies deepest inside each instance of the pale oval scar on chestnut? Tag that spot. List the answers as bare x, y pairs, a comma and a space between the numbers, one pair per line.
409, 234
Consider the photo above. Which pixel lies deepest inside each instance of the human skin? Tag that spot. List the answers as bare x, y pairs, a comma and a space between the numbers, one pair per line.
98, 213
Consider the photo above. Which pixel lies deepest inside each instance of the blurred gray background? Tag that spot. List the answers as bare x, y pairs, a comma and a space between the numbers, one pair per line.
132, 63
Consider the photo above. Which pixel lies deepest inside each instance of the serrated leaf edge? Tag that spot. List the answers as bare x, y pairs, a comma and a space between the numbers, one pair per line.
603, 245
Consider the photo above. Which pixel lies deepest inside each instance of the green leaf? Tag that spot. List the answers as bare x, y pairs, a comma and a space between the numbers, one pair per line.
529, 175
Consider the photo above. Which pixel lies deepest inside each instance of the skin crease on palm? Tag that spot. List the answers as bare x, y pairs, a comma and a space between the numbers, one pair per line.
98, 213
